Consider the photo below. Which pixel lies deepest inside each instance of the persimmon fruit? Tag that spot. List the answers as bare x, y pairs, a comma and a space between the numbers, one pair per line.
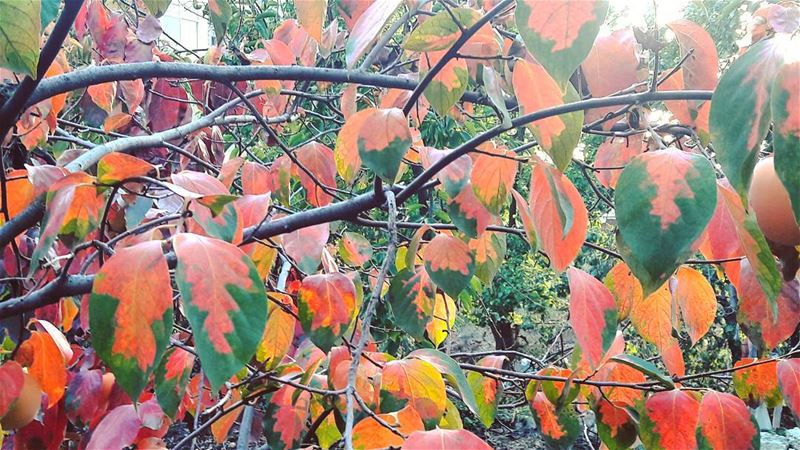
25, 408
769, 201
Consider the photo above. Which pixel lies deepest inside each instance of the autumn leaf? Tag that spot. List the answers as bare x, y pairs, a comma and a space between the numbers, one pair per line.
355, 249
450, 263
592, 314
697, 301
45, 363
785, 109
612, 156
557, 135
224, 299
411, 296
20, 192
367, 27
487, 390
664, 199
757, 383
130, 313
413, 382
311, 14
493, 173
305, 246
468, 214
558, 213
12, 379
559, 34
624, 287
615, 426
560, 428
490, 253
454, 176
85, 399
725, 422
279, 332
451, 372
740, 111
326, 306
441, 31
345, 152
171, 378
789, 381
449, 84
369, 434
668, 420
220, 13
383, 139
655, 316
440, 439
319, 174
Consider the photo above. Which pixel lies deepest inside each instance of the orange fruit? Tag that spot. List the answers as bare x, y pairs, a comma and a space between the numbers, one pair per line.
25, 408
769, 201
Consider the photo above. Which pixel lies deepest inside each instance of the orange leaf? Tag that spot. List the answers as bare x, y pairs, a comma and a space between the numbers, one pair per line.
697, 301
222, 427
654, 317
546, 94
319, 162
758, 383
20, 192
413, 382
115, 167
493, 174
789, 382
45, 363
625, 288
103, 94
368, 434
559, 215
755, 313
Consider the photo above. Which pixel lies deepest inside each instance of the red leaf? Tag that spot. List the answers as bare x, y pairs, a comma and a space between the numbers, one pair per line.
168, 106
669, 420
84, 397
725, 422
559, 215
592, 314
318, 160
305, 246
12, 379
440, 439
755, 313
612, 155
700, 69
789, 382
118, 429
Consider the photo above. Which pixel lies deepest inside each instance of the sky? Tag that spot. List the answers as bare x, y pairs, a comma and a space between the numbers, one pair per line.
635, 11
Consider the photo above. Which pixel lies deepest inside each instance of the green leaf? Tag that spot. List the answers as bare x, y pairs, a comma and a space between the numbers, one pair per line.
449, 84
740, 112
20, 28
487, 390
220, 12
559, 34
440, 32
646, 367
49, 11
664, 199
130, 313
157, 7
786, 132
224, 299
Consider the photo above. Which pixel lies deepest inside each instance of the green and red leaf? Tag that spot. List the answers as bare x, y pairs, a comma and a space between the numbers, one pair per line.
305, 246
560, 34
725, 422
560, 428
557, 135
450, 263
487, 390
490, 253
441, 31
740, 111
754, 245
285, 418
615, 426
468, 214
454, 176
668, 420
171, 378
411, 296
448, 85
130, 313
345, 152
624, 287
492, 178
559, 215
786, 131
326, 306
383, 140
757, 383
664, 199
592, 315
224, 299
